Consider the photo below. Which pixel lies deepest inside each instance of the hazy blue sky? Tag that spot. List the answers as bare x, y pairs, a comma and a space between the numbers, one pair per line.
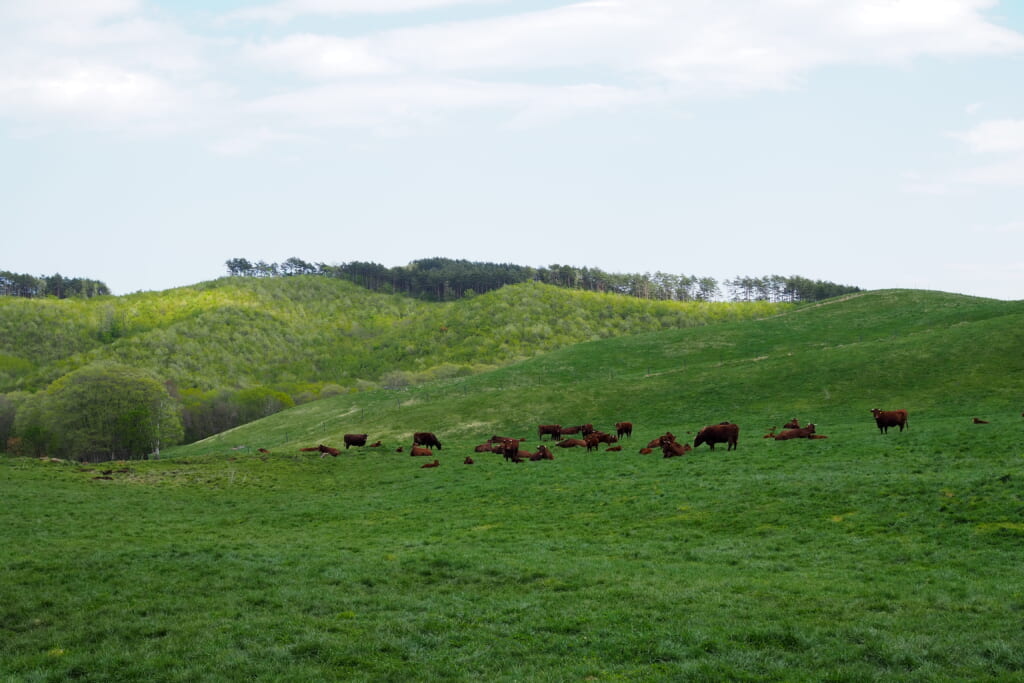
877, 143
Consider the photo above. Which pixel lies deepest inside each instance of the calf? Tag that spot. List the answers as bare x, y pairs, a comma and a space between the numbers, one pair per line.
673, 449
418, 451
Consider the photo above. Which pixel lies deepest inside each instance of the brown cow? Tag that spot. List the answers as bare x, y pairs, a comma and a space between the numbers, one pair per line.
484, 448
604, 437
400, 449
890, 418
431, 464
673, 449
355, 440
587, 429
571, 430
657, 442
510, 449
426, 439
624, 429
979, 421
613, 448
724, 432
327, 450
571, 443
646, 450
801, 433
792, 424
543, 453
554, 431
591, 442
375, 444
416, 450
468, 461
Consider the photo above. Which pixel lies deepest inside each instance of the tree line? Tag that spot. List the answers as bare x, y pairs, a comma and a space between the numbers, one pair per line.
443, 279
33, 287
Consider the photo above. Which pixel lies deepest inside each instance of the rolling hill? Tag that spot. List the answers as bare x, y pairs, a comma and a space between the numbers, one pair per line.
861, 556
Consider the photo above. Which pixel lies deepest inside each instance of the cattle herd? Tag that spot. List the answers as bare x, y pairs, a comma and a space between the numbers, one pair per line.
587, 437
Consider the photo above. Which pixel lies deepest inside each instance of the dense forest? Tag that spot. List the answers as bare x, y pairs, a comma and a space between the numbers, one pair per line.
443, 279
32, 287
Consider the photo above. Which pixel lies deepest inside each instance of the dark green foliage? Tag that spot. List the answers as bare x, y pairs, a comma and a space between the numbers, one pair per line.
30, 287
444, 279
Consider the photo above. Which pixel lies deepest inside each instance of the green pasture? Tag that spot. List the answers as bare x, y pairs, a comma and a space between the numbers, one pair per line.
857, 557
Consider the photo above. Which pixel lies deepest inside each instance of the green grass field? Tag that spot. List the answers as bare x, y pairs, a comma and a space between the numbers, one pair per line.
857, 557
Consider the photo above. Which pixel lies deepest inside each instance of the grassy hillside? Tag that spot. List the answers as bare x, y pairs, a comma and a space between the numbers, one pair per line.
300, 331
857, 557
937, 355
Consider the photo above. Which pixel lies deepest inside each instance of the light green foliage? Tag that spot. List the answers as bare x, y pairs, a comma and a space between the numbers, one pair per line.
107, 411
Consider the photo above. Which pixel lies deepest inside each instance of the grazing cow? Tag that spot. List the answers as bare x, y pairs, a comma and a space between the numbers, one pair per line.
571, 443
430, 464
724, 432
792, 424
673, 449
426, 439
801, 433
327, 450
416, 451
355, 440
890, 418
624, 429
646, 450
554, 431
979, 421
468, 461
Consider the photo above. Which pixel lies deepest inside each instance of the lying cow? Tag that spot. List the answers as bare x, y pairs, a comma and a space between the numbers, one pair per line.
801, 433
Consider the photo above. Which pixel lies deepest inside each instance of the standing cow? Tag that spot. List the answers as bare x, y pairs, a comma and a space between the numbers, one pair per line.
890, 418
355, 440
624, 429
725, 432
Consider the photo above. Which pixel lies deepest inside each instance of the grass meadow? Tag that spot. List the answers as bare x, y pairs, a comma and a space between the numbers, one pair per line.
857, 557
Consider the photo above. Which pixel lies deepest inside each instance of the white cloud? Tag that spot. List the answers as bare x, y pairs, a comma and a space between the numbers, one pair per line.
287, 10
319, 57
1006, 135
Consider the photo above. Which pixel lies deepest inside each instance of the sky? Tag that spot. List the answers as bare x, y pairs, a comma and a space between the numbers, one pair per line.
875, 143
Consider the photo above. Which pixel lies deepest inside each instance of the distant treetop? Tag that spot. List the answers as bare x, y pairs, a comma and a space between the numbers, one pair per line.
32, 287
443, 279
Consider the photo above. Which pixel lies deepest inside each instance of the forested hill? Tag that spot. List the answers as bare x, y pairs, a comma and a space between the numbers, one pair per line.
236, 349
444, 279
